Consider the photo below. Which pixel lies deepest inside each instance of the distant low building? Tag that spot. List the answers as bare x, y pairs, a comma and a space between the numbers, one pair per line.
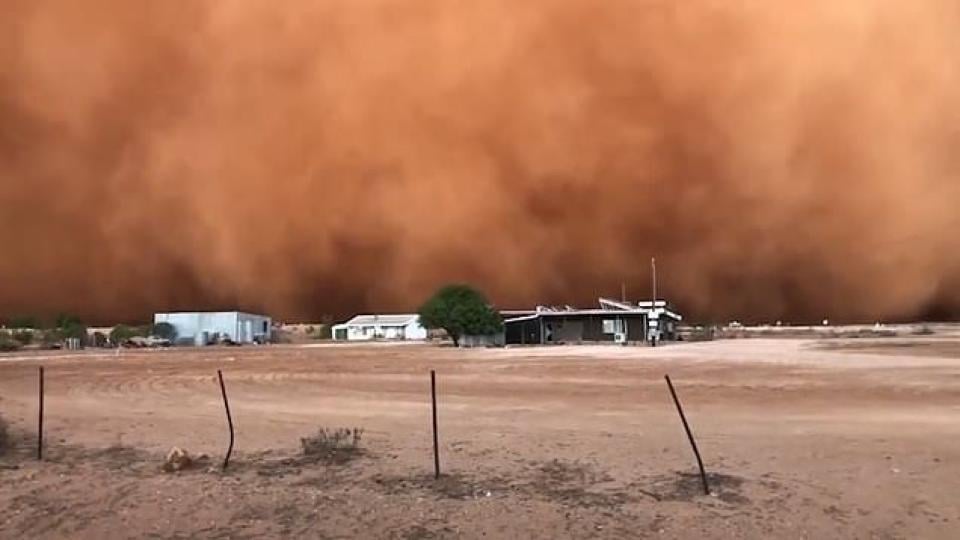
371, 327
206, 328
614, 321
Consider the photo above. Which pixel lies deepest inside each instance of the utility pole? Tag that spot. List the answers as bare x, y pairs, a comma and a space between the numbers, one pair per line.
653, 303
623, 292
653, 267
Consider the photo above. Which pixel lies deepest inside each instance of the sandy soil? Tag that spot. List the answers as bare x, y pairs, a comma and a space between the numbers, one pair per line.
802, 438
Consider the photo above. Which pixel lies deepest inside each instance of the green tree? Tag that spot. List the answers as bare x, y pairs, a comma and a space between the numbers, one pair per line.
49, 339
122, 333
460, 310
23, 322
7, 343
325, 330
74, 330
25, 337
69, 326
65, 320
164, 330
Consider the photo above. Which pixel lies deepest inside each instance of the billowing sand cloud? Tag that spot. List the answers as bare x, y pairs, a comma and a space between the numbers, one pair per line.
781, 159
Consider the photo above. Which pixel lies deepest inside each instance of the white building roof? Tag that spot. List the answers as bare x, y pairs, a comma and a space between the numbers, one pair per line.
655, 309
168, 313
382, 320
607, 307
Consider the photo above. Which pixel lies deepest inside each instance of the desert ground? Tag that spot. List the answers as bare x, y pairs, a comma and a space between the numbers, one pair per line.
802, 438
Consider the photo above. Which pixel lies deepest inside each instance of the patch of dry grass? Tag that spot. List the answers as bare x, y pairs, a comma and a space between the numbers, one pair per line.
333, 445
4, 435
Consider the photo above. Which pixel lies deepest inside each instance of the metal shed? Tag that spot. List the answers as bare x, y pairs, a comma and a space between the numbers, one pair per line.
205, 328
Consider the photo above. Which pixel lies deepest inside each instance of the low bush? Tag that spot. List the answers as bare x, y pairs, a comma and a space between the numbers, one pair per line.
25, 337
164, 330
4, 436
8, 344
333, 445
121, 333
50, 339
322, 332
923, 330
23, 322
701, 333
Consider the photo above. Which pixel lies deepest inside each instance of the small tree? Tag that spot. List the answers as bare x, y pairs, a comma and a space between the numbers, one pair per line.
65, 320
460, 310
23, 322
69, 326
121, 333
324, 330
164, 330
49, 339
7, 343
25, 337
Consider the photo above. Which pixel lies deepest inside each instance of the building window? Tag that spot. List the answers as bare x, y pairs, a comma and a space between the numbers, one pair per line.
612, 326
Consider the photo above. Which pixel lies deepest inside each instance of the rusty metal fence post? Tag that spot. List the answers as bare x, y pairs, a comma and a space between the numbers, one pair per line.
693, 443
40, 420
436, 436
226, 405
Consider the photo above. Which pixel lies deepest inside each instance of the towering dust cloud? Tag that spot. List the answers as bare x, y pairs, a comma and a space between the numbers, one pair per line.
780, 159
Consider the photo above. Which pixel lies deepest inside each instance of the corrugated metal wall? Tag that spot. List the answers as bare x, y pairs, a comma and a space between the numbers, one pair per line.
203, 328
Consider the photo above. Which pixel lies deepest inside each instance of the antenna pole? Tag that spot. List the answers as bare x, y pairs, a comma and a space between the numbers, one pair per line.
653, 302
653, 267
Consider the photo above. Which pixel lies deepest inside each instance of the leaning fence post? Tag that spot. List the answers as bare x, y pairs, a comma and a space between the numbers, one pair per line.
436, 437
40, 420
693, 443
226, 405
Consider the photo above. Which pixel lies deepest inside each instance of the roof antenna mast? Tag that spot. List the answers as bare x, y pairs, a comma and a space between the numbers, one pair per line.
653, 268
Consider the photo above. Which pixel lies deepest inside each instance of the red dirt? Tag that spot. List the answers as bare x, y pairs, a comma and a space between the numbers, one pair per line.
571, 442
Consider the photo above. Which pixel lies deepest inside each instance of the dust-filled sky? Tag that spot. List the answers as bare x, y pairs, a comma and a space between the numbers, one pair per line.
782, 160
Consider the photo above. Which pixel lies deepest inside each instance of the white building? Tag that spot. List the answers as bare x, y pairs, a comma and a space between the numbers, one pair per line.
367, 327
204, 328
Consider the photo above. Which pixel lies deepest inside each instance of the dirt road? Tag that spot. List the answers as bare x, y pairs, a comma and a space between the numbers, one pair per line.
803, 438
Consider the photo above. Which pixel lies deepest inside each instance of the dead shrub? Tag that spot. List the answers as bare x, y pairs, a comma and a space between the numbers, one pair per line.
4, 437
700, 333
333, 445
24, 337
8, 344
687, 487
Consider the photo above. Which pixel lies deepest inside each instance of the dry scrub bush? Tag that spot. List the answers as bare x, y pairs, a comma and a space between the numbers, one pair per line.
702, 333
24, 337
924, 330
8, 344
4, 437
333, 445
